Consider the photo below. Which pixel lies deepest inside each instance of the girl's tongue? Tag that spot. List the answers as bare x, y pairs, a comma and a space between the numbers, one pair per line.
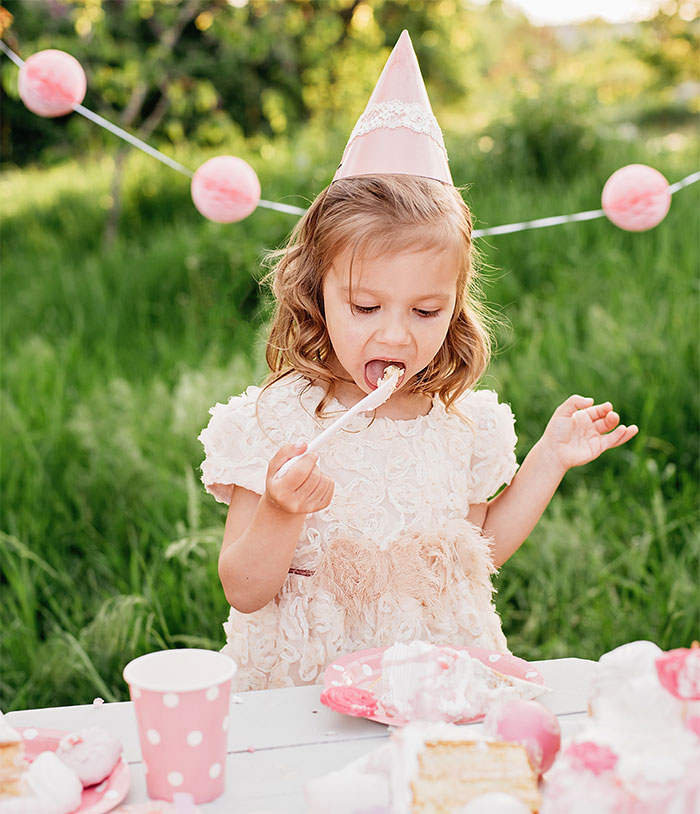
374, 370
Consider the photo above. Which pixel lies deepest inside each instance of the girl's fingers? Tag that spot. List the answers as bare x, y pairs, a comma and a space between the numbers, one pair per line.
630, 432
598, 411
284, 454
312, 480
620, 435
303, 488
607, 422
298, 476
323, 493
295, 477
572, 404
315, 493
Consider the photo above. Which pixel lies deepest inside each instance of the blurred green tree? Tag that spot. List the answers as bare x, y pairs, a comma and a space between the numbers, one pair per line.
206, 71
670, 42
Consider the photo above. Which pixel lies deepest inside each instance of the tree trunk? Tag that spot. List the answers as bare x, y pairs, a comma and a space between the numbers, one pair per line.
168, 40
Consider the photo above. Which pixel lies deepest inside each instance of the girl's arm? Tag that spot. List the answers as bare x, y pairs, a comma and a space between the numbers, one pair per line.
262, 531
578, 432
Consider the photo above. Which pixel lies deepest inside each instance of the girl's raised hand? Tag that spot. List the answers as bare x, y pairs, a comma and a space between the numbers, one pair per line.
579, 431
304, 488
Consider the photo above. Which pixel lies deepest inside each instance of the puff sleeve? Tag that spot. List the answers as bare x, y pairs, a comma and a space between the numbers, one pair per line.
493, 461
237, 450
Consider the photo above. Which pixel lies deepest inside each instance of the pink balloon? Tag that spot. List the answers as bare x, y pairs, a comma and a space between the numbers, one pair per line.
51, 82
530, 724
225, 189
636, 197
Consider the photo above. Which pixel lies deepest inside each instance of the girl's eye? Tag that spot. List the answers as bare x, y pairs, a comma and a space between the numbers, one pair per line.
364, 309
427, 314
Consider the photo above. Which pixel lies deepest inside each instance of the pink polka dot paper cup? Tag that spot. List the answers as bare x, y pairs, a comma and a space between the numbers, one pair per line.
181, 700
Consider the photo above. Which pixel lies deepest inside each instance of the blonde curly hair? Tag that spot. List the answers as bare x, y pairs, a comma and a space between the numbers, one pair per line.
375, 215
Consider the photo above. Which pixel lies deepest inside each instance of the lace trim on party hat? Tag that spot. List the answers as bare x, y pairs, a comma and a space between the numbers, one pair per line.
399, 114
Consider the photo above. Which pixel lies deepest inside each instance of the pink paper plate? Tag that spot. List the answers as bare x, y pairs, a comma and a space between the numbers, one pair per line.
362, 670
96, 799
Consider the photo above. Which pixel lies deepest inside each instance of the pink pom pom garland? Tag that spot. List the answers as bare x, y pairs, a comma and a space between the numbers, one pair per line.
636, 197
51, 83
225, 189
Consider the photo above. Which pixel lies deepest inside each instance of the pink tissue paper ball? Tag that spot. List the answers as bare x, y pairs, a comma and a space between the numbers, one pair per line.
51, 82
636, 197
225, 189
530, 724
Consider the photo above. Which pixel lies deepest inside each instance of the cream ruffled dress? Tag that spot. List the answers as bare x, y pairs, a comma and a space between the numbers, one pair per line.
392, 558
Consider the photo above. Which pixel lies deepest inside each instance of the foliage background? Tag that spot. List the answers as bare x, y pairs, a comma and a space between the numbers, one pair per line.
125, 315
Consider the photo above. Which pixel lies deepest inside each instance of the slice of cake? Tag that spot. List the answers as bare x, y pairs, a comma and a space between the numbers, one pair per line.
48, 786
439, 767
421, 681
11, 759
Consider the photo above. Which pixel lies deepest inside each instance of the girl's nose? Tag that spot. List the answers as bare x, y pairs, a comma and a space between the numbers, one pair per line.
394, 331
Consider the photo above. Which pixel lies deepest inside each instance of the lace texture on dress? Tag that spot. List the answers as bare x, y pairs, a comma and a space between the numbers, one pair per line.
393, 556
390, 115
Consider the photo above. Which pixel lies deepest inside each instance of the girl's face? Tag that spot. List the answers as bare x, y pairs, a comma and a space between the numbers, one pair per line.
398, 311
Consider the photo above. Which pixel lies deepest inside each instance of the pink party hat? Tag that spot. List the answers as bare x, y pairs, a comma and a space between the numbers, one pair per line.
397, 133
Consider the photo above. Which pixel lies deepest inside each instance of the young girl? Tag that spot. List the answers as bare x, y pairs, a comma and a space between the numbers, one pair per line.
391, 533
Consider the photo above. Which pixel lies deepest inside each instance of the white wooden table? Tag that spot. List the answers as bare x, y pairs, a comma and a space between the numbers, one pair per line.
280, 739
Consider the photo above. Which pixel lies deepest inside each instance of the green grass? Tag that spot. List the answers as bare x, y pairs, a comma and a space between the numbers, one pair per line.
113, 355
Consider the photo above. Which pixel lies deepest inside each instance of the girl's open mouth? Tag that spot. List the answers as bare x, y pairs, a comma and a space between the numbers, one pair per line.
374, 370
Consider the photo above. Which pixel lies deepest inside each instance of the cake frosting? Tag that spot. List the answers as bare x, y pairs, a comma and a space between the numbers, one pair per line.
431, 683
405, 668
48, 787
679, 672
494, 802
635, 753
361, 786
158, 807
389, 371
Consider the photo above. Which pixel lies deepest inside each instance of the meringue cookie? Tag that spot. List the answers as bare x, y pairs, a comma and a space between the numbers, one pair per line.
91, 753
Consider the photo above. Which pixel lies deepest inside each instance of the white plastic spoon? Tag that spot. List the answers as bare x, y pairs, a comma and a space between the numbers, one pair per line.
370, 402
